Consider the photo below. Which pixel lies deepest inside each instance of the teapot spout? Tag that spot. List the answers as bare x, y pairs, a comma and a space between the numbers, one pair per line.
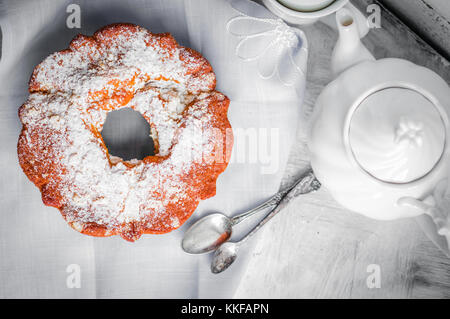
349, 50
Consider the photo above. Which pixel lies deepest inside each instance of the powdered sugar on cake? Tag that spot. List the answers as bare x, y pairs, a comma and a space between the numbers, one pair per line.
71, 93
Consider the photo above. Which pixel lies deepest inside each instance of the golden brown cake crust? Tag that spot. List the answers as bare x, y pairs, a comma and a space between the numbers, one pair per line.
61, 151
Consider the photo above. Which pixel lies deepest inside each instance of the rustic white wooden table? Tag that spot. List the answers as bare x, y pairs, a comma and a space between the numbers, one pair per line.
316, 248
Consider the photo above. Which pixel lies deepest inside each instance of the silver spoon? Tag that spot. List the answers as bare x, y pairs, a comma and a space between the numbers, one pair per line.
226, 254
209, 232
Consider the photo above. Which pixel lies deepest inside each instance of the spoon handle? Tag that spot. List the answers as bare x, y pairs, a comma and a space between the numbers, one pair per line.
271, 202
306, 184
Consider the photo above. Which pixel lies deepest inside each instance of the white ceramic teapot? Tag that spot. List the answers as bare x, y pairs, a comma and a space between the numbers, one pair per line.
379, 134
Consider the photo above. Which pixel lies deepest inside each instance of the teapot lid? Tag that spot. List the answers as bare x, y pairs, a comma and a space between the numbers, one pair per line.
397, 135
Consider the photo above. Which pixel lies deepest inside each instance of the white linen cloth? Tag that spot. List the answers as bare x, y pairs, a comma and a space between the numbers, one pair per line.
260, 65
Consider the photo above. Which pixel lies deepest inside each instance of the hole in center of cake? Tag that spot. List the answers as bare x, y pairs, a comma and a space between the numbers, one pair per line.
126, 134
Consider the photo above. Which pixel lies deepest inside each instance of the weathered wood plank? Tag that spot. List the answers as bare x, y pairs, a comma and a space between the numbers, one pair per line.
428, 18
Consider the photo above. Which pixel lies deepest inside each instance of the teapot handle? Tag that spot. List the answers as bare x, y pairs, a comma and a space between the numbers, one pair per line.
360, 18
434, 221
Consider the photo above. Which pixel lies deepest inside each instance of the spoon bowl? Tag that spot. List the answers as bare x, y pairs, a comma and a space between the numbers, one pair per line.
224, 256
207, 234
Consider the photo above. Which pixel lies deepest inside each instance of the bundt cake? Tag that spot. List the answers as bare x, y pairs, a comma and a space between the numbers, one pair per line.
62, 152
